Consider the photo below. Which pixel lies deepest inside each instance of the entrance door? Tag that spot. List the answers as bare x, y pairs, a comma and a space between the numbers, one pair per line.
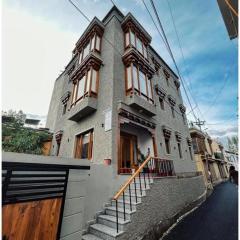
128, 153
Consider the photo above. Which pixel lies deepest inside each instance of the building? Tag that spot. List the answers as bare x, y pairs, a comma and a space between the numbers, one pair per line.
229, 11
209, 156
116, 104
232, 159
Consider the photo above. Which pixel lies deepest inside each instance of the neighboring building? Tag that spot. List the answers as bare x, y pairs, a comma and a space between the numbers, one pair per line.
209, 156
232, 158
115, 102
31, 123
229, 11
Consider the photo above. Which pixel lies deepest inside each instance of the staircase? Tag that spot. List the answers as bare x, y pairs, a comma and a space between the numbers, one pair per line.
118, 214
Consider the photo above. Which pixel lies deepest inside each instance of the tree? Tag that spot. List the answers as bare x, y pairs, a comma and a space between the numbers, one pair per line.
17, 138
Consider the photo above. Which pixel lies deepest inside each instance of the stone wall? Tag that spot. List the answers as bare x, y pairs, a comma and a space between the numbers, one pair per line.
164, 201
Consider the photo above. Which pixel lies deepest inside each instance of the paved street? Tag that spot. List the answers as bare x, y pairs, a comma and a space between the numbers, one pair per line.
215, 219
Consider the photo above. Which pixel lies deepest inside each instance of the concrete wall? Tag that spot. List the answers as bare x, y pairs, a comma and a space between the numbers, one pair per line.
166, 198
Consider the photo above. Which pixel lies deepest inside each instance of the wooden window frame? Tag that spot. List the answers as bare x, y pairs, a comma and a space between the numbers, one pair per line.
172, 110
87, 92
167, 146
179, 149
138, 89
79, 145
161, 101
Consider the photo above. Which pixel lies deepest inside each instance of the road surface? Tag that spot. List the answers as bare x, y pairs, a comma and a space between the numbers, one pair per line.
215, 219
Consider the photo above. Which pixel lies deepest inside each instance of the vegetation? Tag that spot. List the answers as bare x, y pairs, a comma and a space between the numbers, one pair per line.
17, 138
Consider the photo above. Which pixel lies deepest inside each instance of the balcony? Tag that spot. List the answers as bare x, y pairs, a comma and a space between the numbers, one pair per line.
83, 108
141, 105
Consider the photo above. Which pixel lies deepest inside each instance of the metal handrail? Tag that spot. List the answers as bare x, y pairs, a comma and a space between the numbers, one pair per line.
153, 166
129, 181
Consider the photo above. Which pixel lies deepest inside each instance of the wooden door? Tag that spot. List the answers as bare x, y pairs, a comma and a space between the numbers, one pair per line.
36, 220
128, 152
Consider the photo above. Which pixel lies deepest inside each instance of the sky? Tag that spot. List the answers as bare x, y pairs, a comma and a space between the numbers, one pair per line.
38, 38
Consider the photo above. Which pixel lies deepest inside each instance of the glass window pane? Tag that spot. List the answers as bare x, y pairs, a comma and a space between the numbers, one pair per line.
149, 89
135, 77
93, 42
132, 38
81, 85
139, 45
86, 50
98, 40
88, 81
85, 145
129, 78
142, 79
94, 80
74, 93
144, 51
80, 57
127, 38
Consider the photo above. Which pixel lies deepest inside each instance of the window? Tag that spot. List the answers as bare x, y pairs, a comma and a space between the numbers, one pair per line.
190, 151
132, 38
143, 83
64, 108
184, 119
127, 42
98, 43
139, 45
195, 146
86, 50
167, 145
86, 86
84, 144
135, 78
81, 85
173, 113
129, 78
138, 81
94, 44
179, 149
161, 103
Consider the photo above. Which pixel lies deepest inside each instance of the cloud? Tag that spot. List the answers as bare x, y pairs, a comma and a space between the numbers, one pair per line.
33, 54
224, 132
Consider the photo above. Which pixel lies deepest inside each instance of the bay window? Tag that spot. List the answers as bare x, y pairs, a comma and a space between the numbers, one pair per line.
86, 86
94, 44
138, 81
132, 39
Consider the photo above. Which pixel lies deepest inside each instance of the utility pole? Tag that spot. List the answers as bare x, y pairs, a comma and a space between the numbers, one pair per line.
199, 123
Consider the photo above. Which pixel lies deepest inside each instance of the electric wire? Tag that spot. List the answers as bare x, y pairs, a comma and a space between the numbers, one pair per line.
171, 54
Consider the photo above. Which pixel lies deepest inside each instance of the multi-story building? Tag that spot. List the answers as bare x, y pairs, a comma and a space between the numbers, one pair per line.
209, 156
232, 158
116, 104
117, 98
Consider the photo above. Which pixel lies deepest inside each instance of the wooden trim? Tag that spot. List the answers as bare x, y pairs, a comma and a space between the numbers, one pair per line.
154, 145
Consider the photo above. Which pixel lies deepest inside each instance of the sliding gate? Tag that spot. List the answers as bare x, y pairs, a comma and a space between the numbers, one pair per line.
33, 198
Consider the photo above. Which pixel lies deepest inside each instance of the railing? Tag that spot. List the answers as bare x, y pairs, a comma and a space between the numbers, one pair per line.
151, 168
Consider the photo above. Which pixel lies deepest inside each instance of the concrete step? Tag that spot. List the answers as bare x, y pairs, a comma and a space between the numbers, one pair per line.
137, 180
111, 221
112, 211
104, 232
90, 237
133, 197
132, 185
127, 203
